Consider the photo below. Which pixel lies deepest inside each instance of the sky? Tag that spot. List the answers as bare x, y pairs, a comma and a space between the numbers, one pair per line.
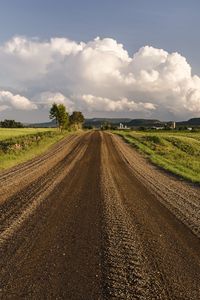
131, 58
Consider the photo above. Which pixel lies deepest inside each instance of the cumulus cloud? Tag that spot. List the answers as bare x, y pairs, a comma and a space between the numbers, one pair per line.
8, 100
93, 103
97, 76
46, 99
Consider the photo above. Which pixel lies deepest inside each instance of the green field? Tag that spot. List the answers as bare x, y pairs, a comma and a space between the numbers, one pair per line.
20, 145
7, 133
177, 152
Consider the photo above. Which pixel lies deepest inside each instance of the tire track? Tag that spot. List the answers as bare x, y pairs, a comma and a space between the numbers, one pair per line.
126, 266
182, 199
19, 207
55, 252
10, 181
142, 233
92, 224
9, 174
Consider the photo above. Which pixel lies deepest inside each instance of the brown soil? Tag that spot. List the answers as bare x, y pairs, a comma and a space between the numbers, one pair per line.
92, 219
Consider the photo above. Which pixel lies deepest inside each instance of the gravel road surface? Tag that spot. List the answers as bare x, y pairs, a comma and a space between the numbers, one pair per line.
93, 219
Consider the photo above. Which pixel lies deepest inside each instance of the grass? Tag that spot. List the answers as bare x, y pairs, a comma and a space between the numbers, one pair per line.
33, 142
177, 152
7, 133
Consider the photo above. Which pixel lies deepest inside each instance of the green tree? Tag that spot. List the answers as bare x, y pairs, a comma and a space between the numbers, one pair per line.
63, 117
105, 126
77, 119
53, 113
58, 112
11, 124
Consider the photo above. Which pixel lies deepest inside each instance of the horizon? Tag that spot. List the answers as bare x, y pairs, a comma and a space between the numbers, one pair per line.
142, 61
119, 119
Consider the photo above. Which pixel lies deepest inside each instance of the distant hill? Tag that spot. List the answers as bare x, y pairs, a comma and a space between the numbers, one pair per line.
97, 122
191, 122
145, 122
51, 124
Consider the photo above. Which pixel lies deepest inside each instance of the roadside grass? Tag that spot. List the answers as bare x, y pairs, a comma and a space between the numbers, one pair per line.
176, 152
20, 145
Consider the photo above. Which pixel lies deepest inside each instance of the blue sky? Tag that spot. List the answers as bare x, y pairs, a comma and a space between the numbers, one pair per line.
169, 25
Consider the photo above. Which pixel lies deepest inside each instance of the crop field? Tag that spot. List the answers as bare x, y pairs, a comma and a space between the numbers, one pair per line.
7, 133
177, 152
20, 145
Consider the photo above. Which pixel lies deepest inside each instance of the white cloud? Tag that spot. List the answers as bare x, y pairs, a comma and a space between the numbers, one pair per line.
65, 46
193, 100
46, 99
8, 100
93, 103
102, 73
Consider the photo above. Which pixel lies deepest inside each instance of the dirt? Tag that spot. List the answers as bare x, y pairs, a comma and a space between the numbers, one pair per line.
92, 219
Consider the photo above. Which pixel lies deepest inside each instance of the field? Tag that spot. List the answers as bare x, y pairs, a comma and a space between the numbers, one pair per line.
20, 145
7, 133
177, 152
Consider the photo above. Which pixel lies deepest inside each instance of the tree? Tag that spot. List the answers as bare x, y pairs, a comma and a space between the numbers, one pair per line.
63, 116
53, 113
105, 126
77, 119
11, 124
58, 112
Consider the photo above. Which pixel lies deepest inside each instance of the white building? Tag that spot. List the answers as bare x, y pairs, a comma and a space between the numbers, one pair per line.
123, 127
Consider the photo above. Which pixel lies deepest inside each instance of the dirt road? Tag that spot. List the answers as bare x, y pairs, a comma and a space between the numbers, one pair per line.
92, 219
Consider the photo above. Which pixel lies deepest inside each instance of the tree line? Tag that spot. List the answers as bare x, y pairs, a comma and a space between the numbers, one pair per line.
63, 120
10, 124
58, 113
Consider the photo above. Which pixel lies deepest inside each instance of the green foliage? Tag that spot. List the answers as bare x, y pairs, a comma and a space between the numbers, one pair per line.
19, 143
11, 124
177, 151
64, 121
154, 139
58, 112
63, 116
105, 126
76, 119
53, 113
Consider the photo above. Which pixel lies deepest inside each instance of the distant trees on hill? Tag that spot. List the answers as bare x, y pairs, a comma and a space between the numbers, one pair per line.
11, 124
63, 120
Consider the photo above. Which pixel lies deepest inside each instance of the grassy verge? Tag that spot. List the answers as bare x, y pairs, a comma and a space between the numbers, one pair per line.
176, 152
21, 145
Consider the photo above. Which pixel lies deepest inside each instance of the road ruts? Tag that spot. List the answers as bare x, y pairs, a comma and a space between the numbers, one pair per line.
125, 264
90, 224
149, 254
23, 174
181, 198
55, 252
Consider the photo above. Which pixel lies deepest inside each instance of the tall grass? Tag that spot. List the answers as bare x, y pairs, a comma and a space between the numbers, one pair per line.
176, 152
